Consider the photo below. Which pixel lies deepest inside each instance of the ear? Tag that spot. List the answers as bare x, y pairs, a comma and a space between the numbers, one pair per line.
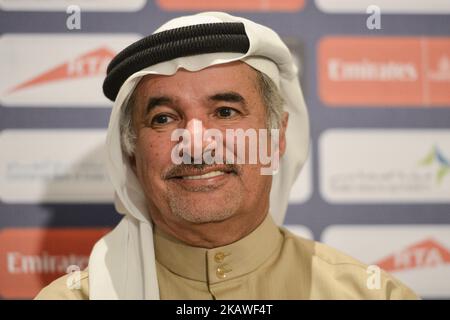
282, 137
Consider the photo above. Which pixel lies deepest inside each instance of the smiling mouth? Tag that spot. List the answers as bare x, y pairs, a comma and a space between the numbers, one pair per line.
211, 174
206, 180
197, 173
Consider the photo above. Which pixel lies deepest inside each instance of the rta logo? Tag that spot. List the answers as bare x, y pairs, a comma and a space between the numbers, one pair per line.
91, 64
427, 253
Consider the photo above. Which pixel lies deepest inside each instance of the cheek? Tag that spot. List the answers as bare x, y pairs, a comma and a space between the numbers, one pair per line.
152, 155
253, 180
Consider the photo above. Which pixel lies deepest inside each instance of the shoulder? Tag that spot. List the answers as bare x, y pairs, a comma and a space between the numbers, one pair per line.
73, 286
336, 275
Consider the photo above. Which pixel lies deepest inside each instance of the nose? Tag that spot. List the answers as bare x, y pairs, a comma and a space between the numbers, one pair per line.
197, 141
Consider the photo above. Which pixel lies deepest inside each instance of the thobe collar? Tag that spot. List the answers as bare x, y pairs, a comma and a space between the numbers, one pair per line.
221, 263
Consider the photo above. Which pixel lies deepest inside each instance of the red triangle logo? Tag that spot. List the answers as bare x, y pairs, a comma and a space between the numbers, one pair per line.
91, 64
427, 253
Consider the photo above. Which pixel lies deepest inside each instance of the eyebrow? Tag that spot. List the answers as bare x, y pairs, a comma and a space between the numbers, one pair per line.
229, 96
153, 102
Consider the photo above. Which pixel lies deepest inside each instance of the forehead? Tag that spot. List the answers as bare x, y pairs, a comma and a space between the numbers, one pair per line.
235, 76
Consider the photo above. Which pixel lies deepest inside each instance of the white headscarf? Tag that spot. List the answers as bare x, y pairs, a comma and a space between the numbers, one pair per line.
122, 263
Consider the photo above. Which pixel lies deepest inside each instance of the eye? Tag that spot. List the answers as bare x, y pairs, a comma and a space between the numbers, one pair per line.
226, 112
161, 119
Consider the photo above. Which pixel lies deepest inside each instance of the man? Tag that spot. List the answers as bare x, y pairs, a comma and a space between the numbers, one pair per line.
202, 229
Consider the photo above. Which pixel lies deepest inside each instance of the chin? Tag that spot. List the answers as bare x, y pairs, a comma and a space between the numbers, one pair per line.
193, 211
203, 206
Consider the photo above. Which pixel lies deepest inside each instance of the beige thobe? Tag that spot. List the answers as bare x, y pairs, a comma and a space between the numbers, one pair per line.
269, 263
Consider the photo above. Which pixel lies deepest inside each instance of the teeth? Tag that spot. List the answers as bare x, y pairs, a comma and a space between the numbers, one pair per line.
206, 175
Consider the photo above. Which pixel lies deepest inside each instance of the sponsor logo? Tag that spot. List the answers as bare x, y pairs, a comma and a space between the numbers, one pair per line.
436, 157
90, 64
437, 71
61, 5
366, 70
57, 70
372, 166
31, 258
417, 255
394, 71
53, 166
441, 71
424, 254
248, 5
386, 6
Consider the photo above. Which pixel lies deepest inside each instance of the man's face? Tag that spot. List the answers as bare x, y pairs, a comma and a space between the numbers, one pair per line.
220, 97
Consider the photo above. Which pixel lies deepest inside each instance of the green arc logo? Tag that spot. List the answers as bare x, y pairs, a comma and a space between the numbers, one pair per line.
435, 156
